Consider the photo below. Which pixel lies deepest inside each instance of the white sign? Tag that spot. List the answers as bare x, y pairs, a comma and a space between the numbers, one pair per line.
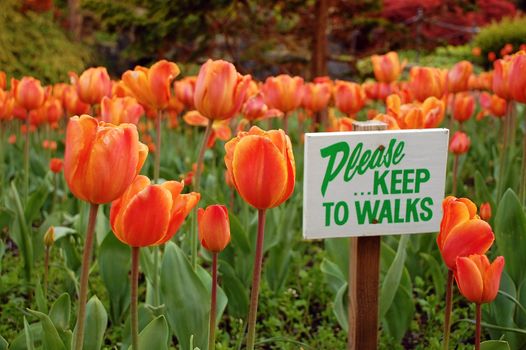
369, 183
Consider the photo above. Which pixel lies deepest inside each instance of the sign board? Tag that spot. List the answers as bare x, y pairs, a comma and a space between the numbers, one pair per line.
367, 183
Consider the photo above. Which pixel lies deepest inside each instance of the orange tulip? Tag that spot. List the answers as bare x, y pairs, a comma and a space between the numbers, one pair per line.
391, 122
494, 104
3, 80
56, 165
28, 93
283, 92
461, 231
261, 165
316, 96
477, 279
501, 74
147, 214
7, 103
214, 227
434, 112
348, 97
184, 91
458, 77
386, 67
151, 86
463, 107
93, 84
426, 81
72, 102
377, 91
517, 80
118, 110
101, 160
459, 143
485, 211
255, 109
219, 90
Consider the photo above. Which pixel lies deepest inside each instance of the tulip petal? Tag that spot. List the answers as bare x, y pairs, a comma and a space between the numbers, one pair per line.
146, 217
455, 212
181, 207
139, 183
492, 280
472, 237
469, 279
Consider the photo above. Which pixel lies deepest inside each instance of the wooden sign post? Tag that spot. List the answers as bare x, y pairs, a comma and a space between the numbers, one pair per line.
368, 183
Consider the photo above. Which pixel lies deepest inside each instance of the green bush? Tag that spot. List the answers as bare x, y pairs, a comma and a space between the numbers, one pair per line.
33, 44
496, 35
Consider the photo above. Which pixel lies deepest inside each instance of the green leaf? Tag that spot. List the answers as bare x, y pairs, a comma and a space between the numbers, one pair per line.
435, 270
50, 337
35, 202
7, 216
3, 343
333, 275
146, 315
510, 232
28, 336
25, 244
155, 335
338, 252
96, 322
235, 290
114, 265
60, 312
184, 294
221, 300
341, 307
494, 345
391, 281
40, 298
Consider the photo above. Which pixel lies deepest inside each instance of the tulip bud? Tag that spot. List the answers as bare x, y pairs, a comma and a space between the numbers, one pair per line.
463, 107
458, 77
214, 227
459, 143
501, 74
316, 96
485, 211
348, 97
56, 165
49, 236
118, 110
427, 81
386, 67
283, 92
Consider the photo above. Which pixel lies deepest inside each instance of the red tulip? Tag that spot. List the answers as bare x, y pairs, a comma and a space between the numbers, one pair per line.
426, 82
517, 78
56, 165
463, 107
28, 93
387, 68
485, 211
184, 91
501, 77
118, 110
459, 143
458, 77
316, 96
214, 228
348, 97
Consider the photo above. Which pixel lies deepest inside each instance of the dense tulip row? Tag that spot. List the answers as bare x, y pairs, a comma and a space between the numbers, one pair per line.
103, 156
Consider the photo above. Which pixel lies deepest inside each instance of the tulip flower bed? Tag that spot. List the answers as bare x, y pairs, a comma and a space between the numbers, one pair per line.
165, 212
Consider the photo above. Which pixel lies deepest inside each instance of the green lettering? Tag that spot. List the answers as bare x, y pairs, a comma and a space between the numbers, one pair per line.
353, 160
328, 206
395, 181
332, 152
408, 180
410, 210
386, 212
367, 212
397, 218
398, 153
341, 220
427, 212
379, 180
422, 175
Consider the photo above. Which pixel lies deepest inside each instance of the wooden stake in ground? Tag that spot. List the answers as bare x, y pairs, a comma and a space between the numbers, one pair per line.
364, 275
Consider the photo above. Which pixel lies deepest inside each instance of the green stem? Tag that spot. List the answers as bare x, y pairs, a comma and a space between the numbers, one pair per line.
213, 305
506, 132
286, 123
477, 326
26, 159
256, 277
455, 174
134, 298
447, 317
84, 274
157, 163
197, 184
522, 191
46, 269
3, 145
